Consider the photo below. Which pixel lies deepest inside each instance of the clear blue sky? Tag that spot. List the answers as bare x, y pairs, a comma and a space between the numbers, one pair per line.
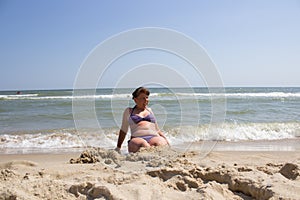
253, 42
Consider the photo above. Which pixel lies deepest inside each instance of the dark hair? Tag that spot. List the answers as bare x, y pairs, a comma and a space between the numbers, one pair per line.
140, 90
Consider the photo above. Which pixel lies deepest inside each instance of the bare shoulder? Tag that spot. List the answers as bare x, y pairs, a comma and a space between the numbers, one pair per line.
149, 109
127, 111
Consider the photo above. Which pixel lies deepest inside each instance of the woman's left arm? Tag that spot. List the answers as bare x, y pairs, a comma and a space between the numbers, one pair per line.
162, 135
158, 130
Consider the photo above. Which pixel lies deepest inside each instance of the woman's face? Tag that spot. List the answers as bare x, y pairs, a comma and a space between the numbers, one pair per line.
141, 100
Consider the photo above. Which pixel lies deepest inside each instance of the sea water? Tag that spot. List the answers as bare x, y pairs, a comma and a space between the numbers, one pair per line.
44, 120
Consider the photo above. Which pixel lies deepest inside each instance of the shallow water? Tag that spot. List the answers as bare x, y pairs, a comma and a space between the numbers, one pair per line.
42, 120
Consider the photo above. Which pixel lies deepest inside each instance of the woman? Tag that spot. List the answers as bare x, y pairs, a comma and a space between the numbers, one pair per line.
143, 125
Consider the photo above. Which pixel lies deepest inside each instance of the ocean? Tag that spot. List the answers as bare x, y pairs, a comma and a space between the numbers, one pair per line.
44, 120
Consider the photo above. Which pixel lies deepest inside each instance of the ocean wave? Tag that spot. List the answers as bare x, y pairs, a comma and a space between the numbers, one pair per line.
40, 140
18, 96
37, 97
177, 135
156, 96
265, 95
242, 95
236, 132
57, 139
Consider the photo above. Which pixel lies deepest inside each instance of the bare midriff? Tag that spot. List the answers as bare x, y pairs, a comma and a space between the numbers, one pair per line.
143, 128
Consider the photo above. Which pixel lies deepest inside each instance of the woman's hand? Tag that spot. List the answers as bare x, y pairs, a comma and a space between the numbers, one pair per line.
162, 135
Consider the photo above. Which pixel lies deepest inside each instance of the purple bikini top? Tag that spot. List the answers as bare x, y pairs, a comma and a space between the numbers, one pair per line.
136, 119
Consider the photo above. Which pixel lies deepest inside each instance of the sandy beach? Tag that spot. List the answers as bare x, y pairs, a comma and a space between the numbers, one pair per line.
155, 173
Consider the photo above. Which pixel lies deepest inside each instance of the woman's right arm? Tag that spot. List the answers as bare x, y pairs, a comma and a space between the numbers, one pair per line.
124, 128
121, 138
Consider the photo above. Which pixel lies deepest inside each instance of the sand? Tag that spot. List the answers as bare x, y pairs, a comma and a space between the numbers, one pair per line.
154, 173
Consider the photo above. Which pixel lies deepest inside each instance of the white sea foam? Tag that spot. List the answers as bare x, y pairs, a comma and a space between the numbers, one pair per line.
258, 131
18, 96
235, 132
176, 136
242, 95
270, 94
156, 95
39, 140
36, 97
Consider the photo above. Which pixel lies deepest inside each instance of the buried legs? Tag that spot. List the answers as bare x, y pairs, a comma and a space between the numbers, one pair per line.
136, 143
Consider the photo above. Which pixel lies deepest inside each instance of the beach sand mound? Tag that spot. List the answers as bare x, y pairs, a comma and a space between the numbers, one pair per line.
152, 173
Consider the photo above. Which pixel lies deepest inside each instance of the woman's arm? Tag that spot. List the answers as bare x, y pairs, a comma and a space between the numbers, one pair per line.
121, 138
158, 130
123, 130
162, 135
